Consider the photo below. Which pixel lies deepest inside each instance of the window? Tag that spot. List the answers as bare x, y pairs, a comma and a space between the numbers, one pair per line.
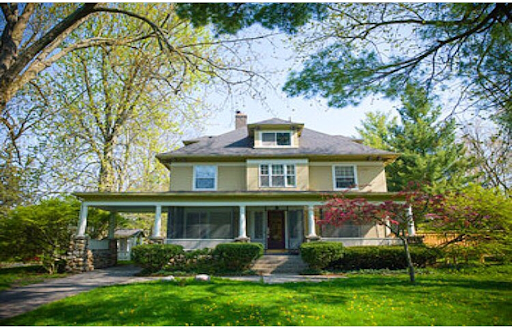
344, 177
277, 175
273, 139
201, 223
205, 177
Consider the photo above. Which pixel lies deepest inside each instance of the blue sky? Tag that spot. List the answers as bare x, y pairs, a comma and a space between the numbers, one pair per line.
277, 56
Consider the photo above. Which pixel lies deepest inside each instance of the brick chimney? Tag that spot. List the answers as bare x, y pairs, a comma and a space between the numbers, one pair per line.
240, 120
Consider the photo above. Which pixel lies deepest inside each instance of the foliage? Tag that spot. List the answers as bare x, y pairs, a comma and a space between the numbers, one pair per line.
429, 152
384, 257
457, 49
492, 148
318, 255
39, 231
395, 215
480, 217
232, 17
43, 231
440, 298
237, 256
155, 257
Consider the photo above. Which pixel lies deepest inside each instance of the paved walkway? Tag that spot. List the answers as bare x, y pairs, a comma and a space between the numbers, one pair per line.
284, 278
23, 299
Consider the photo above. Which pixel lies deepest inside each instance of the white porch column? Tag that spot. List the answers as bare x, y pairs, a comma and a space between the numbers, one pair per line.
242, 223
311, 223
158, 222
411, 230
82, 223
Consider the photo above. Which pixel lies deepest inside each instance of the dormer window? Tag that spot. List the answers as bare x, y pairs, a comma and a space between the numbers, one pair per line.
276, 139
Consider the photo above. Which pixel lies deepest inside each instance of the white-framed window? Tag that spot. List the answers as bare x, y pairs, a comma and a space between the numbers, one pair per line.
205, 177
276, 138
344, 177
277, 175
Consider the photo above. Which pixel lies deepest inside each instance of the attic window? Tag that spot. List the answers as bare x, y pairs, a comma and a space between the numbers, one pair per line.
273, 139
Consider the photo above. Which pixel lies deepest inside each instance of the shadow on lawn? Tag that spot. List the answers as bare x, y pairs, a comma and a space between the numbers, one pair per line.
154, 306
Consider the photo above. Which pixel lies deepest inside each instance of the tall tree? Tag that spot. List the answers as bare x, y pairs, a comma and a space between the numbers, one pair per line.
122, 105
461, 48
492, 148
430, 152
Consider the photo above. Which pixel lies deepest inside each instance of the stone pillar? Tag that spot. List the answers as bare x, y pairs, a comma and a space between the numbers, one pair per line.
312, 236
411, 229
82, 223
79, 257
242, 226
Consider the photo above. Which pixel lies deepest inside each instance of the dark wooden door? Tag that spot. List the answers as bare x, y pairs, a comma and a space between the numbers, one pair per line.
275, 237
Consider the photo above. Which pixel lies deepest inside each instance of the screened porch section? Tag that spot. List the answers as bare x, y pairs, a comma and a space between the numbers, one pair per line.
199, 227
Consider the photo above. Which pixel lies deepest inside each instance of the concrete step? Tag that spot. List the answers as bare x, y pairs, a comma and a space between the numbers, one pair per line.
269, 264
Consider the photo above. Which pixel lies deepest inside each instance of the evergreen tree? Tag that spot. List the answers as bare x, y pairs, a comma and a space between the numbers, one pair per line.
430, 153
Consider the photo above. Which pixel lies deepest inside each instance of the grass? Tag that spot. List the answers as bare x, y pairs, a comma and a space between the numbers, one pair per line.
24, 275
441, 297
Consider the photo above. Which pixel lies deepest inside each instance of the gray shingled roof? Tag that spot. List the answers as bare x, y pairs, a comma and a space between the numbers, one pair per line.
239, 143
275, 121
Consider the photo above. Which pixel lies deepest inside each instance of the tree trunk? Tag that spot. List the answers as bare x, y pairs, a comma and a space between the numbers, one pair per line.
410, 265
106, 176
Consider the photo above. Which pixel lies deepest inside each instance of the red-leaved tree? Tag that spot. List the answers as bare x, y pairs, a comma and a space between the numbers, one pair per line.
396, 215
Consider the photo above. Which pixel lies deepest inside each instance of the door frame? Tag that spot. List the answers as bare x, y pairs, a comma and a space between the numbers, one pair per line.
285, 227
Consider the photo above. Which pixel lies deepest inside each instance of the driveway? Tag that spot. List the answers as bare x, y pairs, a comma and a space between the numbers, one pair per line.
23, 299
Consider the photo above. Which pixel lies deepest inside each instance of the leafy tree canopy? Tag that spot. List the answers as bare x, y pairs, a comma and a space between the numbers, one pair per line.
365, 49
429, 151
232, 17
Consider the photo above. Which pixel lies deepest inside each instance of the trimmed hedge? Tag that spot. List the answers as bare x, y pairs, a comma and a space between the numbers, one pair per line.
155, 257
318, 255
237, 256
384, 257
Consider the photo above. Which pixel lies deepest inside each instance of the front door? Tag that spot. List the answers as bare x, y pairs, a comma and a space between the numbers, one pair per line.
275, 236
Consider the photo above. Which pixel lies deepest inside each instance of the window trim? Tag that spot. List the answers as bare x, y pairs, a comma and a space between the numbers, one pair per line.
354, 168
285, 175
214, 182
290, 132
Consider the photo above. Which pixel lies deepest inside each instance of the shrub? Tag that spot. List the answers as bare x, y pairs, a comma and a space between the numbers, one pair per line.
237, 256
384, 257
155, 257
318, 255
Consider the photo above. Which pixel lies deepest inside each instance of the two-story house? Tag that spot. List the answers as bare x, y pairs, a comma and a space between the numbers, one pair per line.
261, 182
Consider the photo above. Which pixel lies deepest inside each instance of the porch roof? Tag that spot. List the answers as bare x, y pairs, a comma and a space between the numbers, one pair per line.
145, 201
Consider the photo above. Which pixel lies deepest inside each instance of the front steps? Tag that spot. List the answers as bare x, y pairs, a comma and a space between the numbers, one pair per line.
277, 264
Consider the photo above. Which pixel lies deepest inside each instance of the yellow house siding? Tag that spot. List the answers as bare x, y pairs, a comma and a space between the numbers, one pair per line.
370, 176
181, 178
320, 178
231, 178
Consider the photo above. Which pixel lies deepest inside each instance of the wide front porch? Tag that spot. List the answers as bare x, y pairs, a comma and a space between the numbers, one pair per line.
280, 221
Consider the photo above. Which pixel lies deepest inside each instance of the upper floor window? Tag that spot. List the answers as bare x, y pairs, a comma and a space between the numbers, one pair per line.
205, 177
344, 177
277, 175
276, 139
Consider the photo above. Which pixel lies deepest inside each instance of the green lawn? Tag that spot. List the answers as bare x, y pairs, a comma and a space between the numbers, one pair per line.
20, 276
361, 299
